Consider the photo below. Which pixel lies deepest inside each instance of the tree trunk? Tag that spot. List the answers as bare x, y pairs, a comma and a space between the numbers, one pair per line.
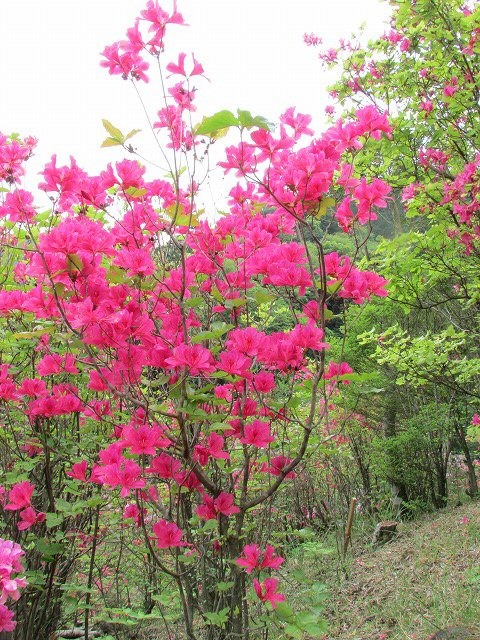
472, 485
398, 488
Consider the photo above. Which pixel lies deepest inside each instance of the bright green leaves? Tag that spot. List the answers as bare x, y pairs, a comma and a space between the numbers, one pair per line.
217, 125
225, 586
319, 209
310, 621
113, 131
218, 122
127, 617
247, 121
426, 358
53, 520
133, 192
49, 549
116, 137
178, 215
218, 619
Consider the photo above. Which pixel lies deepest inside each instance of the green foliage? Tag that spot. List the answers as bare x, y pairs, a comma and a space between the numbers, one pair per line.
216, 125
416, 457
116, 137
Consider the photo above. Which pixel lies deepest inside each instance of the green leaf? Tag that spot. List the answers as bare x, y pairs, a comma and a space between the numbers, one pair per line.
247, 121
220, 426
235, 302
74, 262
53, 520
48, 549
27, 335
136, 193
284, 611
211, 335
220, 120
116, 275
218, 619
132, 133
64, 506
316, 629
293, 632
321, 210
209, 525
261, 296
113, 131
111, 142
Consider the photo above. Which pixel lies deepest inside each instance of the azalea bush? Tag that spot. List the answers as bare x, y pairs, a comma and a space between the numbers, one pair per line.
148, 405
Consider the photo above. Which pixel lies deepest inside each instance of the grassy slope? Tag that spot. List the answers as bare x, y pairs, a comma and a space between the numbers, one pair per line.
427, 579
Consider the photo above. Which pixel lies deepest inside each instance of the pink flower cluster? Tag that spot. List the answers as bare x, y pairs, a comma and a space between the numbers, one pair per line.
10, 583
19, 499
124, 58
131, 314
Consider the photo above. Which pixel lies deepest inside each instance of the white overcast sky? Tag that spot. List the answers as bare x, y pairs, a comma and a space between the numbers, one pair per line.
52, 86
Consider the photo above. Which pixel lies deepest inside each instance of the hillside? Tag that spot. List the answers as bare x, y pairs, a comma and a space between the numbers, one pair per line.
425, 580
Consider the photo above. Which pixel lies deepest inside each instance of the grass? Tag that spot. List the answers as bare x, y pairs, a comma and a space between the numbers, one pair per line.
426, 579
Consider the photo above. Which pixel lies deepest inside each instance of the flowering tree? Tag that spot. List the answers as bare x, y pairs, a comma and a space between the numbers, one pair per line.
144, 377
424, 70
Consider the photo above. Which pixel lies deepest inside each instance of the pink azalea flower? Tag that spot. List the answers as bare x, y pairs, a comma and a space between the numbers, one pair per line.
224, 504
267, 591
165, 466
29, 517
33, 387
168, 534
125, 474
215, 446
371, 121
278, 464
124, 63
206, 510
252, 558
452, 87
344, 214
7, 623
137, 262
18, 206
298, 122
427, 106
20, 496
234, 363
195, 358
10, 564
258, 434
79, 471
264, 382
371, 195
335, 370
160, 18
270, 560
143, 439
214, 449
247, 341
179, 69
210, 509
